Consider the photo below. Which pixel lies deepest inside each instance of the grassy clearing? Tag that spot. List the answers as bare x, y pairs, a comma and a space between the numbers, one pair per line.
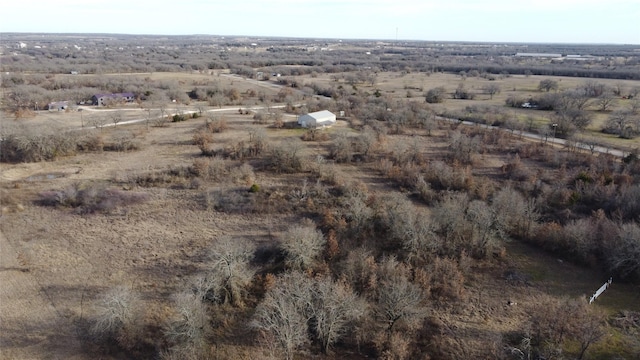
559, 277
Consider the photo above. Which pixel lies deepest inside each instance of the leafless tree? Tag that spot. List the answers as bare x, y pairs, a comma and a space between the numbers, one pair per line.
116, 117
593, 88
548, 85
623, 123
283, 314
554, 322
399, 300
230, 272
342, 148
492, 89
187, 332
605, 101
408, 229
462, 148
623, 254
426, 120
517, 214
618, 89
303, 245
335, 308
98, 121
486, 229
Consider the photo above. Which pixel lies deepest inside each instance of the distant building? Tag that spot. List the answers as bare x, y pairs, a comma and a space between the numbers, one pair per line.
540, 55
317, 119
106, 99
58, 106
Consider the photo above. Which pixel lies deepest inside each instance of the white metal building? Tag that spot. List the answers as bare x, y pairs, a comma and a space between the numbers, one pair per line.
317, 119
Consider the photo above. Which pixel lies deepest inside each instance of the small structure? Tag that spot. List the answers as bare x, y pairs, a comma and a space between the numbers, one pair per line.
58, 106
319, 119
107, 99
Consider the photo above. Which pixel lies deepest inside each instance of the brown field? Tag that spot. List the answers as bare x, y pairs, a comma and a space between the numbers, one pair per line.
55, 262
401, 85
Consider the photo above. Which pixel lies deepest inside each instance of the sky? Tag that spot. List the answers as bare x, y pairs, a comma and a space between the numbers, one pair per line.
541, 21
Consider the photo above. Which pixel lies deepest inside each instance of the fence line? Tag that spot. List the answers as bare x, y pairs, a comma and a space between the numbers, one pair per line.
601, 290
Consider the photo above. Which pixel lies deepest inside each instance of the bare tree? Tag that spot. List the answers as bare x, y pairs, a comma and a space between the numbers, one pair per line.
283, 314
116, 117
492, 89
303, 245
622, 123
399, 300
618, 89
98, 122
335, 308
593, 88
605, 101
517, 214
462, 148
342, 148
554, 322
230, 272
548, 85
187, 332
623, 255
486, 229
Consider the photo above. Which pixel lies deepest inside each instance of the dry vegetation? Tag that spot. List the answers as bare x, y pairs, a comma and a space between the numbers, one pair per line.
227, 233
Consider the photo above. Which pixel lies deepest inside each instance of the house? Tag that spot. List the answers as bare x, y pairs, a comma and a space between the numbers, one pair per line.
58, 106
317, 119
106, 99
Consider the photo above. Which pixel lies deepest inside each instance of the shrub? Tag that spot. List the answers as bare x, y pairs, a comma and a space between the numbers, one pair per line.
117, 317
22, 144
254, 188
178, 118
90, 198
217, 125
436, 95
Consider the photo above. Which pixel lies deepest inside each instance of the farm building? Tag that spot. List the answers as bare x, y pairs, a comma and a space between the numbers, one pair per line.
105, 99
58, 106
317, 119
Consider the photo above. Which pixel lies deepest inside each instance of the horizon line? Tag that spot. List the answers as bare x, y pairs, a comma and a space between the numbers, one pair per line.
320, 38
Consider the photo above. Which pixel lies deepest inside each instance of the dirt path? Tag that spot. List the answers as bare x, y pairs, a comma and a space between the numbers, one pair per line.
30, 325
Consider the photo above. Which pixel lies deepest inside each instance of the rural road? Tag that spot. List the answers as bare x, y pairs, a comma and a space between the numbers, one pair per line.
169, 114
552, 140
521, 133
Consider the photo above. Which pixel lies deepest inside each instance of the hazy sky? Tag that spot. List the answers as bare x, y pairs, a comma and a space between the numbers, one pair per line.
582, 21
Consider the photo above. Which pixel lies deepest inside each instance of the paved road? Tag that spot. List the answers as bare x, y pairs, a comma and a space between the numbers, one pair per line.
543, 138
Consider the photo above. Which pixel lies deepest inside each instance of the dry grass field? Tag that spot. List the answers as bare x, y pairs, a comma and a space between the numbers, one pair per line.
403, 86
55, 261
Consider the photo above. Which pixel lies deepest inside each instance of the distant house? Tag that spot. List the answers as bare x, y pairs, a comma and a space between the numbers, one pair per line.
58, 106
317, 119
106, 99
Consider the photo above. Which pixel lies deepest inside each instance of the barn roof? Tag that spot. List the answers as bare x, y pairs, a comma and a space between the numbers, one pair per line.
321, 115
